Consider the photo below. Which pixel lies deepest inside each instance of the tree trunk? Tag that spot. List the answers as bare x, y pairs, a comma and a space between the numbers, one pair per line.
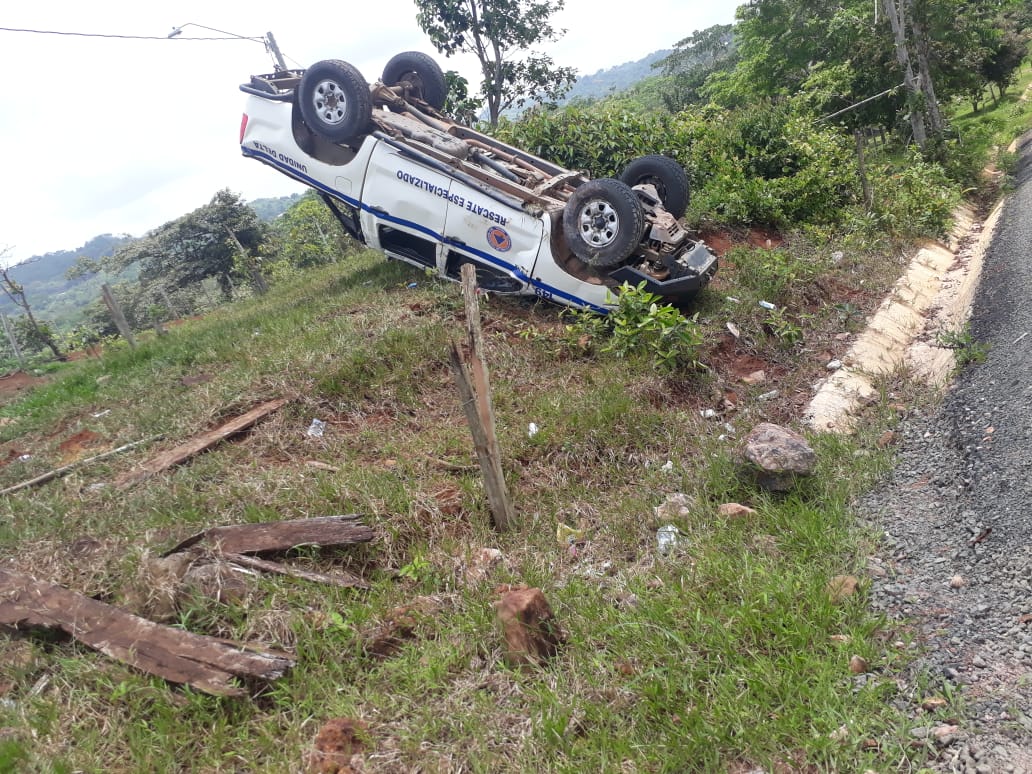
917, 124
931, 104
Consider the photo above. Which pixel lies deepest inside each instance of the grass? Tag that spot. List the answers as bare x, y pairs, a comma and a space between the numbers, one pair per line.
725, 654
717, 655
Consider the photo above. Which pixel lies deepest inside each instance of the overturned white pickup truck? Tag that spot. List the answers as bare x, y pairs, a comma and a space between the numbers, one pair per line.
405, 180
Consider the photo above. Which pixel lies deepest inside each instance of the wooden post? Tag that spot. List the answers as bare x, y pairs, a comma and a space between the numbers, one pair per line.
861, 164
117, 315
475, 392
13, 340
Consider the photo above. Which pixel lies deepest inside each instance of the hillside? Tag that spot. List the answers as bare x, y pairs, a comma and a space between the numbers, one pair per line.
611, 80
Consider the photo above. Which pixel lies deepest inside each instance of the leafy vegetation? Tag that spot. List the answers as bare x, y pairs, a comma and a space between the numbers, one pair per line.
501, 35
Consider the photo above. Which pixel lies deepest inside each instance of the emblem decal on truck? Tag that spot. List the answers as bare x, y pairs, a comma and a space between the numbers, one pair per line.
499, 239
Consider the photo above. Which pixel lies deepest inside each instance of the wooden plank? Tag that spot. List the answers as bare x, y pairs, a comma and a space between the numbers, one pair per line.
199, 443
206, 663
344, 580
323, 531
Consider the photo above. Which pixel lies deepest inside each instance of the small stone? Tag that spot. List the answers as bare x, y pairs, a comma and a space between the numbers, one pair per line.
957, 582
841, 587
921, 732
735, 511
858, 665
840, 638
979, 662
933, 703
338, 741
676, 506
945, 734
529, 627
844, 336
833, 365
886, 439
756, 377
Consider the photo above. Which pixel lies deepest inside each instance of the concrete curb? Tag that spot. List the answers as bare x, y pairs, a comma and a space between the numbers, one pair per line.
934, 295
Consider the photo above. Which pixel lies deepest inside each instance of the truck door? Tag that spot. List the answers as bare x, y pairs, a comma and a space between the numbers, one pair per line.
500, 239
404, 206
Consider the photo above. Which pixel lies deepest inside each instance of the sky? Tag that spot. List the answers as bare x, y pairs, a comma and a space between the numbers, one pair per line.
115, 135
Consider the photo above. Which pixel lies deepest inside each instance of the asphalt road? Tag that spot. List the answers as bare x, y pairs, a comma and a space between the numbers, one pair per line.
957, 515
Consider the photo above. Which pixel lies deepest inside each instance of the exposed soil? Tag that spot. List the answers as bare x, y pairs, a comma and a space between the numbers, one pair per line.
17, 382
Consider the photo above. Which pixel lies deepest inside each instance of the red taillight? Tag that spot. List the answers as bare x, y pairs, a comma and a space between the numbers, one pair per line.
243, 127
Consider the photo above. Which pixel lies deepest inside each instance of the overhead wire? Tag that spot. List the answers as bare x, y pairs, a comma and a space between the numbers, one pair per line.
122, 37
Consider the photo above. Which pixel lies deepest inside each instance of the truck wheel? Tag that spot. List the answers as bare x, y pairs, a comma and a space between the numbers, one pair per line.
666, 175
603, 222
419, 73
334, 100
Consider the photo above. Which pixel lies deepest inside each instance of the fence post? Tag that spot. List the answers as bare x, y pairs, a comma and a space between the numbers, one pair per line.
117, 315
13, 340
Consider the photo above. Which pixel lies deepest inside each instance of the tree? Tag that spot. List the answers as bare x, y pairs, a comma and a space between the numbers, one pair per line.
38, 333
693, 61
308, 235
196, 246
501, 33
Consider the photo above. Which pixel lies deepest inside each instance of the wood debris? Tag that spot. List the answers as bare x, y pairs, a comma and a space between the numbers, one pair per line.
343, 580
321, 531
199, 443
206, 663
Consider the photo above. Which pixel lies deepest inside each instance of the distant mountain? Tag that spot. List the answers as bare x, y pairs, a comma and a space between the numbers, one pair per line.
55, 298
614, 79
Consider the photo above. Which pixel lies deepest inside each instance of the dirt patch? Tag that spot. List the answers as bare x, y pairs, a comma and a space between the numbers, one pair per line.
77, 445
758, 236
15, 383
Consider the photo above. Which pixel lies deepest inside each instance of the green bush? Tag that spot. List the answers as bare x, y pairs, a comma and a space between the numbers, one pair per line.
915, 199
641, 326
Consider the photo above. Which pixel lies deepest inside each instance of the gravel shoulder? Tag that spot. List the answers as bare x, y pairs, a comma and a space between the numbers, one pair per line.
956, 561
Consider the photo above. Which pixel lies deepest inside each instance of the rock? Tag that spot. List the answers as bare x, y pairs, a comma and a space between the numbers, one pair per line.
529, 627
841, 587
481, 565
778, 456
921, 732
979, 662
336, 745
676, 506
858, 665
945, 734
756, 377
833, 365
933, 703
735, 511
957, 582
886, 439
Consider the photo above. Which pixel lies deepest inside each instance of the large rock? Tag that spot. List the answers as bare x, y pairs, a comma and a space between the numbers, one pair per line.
777, 456
529, 627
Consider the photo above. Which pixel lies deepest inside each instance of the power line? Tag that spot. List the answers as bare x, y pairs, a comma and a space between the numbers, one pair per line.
120, 37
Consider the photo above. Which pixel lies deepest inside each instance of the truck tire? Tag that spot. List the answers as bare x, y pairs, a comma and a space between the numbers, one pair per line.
603, 222
334, 100
666, 175
421, 74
